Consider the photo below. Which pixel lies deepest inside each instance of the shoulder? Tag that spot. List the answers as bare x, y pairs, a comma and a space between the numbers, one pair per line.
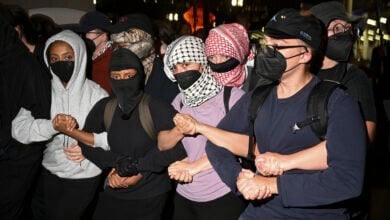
355, 75
157, 103
96, 88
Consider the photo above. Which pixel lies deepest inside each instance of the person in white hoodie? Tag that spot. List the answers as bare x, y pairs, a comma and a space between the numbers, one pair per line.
65, 187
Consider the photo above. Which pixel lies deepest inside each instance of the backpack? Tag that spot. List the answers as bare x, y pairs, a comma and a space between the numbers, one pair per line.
317, 114
144, 115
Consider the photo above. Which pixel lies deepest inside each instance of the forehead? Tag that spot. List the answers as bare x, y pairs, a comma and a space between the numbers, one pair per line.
271, 40
125, 71
60, 46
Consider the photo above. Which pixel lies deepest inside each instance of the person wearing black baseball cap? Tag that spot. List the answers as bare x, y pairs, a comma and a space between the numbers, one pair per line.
342, 30
97, 28
324, 173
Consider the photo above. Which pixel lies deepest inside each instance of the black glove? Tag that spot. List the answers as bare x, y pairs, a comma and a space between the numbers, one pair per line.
126, 167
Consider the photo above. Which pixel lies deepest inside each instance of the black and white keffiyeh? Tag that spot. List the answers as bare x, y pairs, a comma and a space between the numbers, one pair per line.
205, 88
191, 49
184, 49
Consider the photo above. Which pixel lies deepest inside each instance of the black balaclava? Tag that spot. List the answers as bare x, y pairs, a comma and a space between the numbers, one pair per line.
128, 91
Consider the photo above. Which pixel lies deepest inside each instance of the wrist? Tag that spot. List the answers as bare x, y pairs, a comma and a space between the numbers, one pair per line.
273, 185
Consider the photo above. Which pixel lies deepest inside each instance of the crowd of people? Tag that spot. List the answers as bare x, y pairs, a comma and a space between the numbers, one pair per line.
118, 121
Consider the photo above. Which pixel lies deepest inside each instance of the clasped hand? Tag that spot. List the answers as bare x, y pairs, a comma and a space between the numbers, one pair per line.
116, 181
64, 123
185, 123
74, 153
254, 187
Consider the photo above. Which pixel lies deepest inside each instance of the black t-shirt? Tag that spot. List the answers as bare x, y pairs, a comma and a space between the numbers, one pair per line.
128, 138
357, 85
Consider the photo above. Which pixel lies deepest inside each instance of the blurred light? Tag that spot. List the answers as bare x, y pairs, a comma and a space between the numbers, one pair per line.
234, 2
370, 32
172, 17
383, 20
370, 38
240, 3
94, 2
386, 37
371, 22
377, 37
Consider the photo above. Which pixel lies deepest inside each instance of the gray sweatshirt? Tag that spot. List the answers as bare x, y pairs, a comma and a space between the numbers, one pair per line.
77, 99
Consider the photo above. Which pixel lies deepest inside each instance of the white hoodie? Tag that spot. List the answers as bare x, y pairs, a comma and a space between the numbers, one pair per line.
77, 99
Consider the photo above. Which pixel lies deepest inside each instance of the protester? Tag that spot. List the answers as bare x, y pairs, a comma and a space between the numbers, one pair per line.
342, 33
65, 188
292, 43
205, 196
230, 57
96, 26
144, 195
24, 86
135, 32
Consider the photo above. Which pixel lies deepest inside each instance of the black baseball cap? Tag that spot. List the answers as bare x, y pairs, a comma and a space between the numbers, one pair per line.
328, 11
292, 24
94, 20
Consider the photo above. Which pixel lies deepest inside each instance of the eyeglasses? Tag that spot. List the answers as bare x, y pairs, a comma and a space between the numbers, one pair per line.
340, 28
266, 47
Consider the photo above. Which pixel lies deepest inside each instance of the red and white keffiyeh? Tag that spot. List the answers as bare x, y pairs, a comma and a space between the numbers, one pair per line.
229, 40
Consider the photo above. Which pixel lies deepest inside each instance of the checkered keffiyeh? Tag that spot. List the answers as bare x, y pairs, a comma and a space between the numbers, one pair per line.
229, 40
184, 49
191, 49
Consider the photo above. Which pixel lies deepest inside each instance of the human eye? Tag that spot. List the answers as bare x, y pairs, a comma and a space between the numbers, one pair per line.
116, 77
53, 59
68, 57
211, 58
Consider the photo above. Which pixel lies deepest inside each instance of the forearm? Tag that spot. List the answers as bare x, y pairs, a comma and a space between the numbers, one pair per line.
169, 138
200, 165
234, 142
82, 136
26, 129
314, 158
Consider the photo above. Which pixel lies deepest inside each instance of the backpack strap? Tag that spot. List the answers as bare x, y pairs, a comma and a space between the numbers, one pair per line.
227, 91
146, 118
144, 115
109, 110
258, 97
317, 108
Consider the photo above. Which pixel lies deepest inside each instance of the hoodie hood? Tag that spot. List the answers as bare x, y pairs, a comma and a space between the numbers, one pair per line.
80, 63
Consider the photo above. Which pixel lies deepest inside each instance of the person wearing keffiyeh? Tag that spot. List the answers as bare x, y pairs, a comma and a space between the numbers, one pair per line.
200, 194
230, 57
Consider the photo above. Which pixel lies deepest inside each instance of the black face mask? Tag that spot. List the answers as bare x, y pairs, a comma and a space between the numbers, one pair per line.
187, 78
90, 45
339, 47
63, 69
128, 92
225, 66
270, 65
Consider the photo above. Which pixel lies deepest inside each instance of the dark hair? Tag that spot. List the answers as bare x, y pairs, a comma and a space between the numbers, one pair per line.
44, 26
22, 20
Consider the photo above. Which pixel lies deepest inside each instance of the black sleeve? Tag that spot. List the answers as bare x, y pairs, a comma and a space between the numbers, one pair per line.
157, 161
162, 114
94, 123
